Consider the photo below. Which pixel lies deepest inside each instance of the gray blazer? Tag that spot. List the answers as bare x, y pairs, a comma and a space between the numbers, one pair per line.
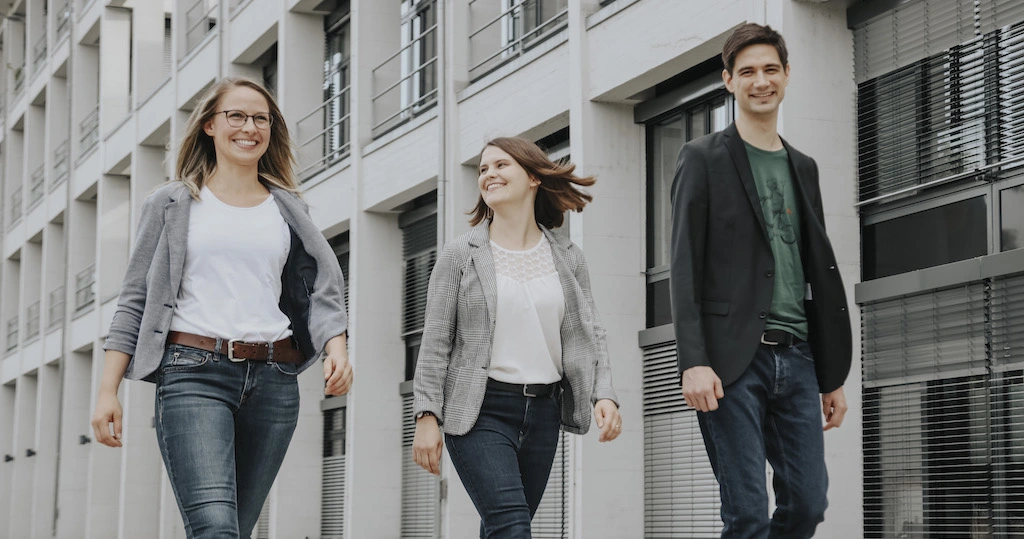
312, 293
455, 353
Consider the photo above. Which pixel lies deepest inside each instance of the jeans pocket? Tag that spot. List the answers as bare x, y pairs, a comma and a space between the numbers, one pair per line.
288, 369
803, 350
179, 358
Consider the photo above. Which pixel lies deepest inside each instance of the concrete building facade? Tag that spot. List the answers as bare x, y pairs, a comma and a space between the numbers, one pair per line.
389, 103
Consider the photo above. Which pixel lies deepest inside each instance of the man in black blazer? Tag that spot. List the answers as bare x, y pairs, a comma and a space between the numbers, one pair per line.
760, 311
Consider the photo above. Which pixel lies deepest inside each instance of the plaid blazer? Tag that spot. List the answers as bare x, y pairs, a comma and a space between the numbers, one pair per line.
455, 353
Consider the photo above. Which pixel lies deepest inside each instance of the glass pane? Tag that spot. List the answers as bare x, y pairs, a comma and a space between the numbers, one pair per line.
698, 123
1011, 203
666, 139
659, 305
956, 231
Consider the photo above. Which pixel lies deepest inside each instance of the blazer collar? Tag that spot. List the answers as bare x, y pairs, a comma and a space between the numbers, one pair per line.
176, 213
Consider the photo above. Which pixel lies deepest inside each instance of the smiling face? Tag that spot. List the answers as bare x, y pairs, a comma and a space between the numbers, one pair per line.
758, 80
503, 182
245, 145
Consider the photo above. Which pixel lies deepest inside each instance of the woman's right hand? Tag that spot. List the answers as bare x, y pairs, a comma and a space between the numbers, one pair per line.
427, 444
108, 410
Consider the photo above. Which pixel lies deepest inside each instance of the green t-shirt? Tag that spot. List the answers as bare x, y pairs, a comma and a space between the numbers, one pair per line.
782, 217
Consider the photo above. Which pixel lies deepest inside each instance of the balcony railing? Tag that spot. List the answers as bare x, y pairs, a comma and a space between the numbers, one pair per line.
32, 321
39, 51
405, 84
89, 130
36, 187
63, 19
199, 19
19, 79
15, 208
498, 36
56, 307
12, 333
323, 134
60, 165
84, 281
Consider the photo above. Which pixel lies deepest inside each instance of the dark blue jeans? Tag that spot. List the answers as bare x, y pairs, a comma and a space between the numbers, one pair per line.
223, 430
772, 412
504, 461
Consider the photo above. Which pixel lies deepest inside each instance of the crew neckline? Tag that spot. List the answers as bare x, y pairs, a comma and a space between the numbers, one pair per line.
206, 191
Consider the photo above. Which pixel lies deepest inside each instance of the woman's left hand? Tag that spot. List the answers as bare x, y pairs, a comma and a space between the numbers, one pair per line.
337, 369
606, 413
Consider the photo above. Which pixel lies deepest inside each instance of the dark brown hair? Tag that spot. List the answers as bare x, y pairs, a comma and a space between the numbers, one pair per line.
556, 193
753, 34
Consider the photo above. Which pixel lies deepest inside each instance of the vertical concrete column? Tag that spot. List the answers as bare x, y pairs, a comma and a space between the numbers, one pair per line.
53, 272
300, 57
139, 503
45, 476
114, 212
375, 36
34, 31
21, 485
115, 68
7, 397
14, 170
56, 126
147, 27
819, 118
608, 478
85, 73
104, 483
73, 466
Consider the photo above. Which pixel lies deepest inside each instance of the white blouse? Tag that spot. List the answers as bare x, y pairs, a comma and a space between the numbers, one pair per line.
527, 346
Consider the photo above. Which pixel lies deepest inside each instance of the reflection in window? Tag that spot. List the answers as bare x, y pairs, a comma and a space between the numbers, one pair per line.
1011, 204
949, 233
665, 137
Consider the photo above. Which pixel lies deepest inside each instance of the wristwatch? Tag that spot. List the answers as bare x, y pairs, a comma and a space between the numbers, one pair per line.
421, 414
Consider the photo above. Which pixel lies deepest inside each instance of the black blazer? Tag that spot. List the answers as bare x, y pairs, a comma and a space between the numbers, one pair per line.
722, 267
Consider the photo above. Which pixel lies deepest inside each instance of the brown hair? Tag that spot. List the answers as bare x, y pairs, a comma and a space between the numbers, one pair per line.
556, 193
197, 158
752, 34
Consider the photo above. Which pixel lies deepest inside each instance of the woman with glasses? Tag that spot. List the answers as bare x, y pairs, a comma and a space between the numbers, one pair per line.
231, 291
513, 348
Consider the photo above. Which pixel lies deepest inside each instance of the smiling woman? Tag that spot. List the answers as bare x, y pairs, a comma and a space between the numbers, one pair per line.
215, 309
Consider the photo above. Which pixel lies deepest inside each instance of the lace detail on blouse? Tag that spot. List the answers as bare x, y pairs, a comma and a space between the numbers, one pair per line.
524, 266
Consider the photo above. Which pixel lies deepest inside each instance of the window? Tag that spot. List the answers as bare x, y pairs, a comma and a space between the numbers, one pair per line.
332, 519
502, 31
336, 84
419, 25
665, 137
269, 62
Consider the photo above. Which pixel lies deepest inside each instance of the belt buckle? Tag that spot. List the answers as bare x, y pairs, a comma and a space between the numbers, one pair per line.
231, 351
526, 393
769, 343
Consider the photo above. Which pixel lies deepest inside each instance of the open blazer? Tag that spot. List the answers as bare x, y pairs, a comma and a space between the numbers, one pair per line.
455, 353
312, 285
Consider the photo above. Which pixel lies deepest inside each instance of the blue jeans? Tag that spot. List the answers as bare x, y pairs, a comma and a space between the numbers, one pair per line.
223, 430
504, 461
773, 412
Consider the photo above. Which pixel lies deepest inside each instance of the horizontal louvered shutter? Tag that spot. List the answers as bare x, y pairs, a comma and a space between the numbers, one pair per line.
681, 498
419, 252
332, 512
1008, 323
420, 488
1011, 88
262, 530
995, 14
551, 521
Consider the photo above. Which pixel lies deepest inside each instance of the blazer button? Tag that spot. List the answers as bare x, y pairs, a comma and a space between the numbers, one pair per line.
769, 274
833, 268
762, 314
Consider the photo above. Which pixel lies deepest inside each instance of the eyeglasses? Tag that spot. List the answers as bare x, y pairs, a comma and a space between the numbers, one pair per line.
237, 118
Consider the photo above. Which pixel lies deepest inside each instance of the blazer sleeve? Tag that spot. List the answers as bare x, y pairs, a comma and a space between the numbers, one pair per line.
438, 334
689, 227
131, 302
328, 313
602, 366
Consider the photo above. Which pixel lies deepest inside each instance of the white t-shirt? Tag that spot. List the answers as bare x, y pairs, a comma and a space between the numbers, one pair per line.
231, 283
527, 346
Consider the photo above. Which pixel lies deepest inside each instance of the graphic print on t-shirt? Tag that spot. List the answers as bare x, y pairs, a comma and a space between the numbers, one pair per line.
778, 222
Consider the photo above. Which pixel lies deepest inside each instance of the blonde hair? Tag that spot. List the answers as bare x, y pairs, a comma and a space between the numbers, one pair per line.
197, 158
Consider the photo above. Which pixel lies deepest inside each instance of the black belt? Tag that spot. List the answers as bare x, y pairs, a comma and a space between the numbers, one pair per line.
778, 337
526, 390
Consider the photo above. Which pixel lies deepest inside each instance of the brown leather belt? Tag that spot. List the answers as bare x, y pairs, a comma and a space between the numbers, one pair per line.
284, 351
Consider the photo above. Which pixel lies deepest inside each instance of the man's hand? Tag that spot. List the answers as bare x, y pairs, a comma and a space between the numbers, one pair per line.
833, 405
702, 388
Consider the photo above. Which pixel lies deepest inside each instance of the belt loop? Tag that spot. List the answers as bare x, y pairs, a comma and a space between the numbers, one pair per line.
216, 348
270, 352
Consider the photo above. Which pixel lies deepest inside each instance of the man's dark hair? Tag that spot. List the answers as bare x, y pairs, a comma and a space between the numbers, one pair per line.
752, 34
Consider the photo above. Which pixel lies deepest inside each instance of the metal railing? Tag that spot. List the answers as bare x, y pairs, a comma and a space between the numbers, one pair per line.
506, 34
15, 209
12, 333
415, 82
19, 79
39, 51
323, 134
84, 293
199, 19
36, 187
55, 307
32, 321
89, 130
63, 19
60, 164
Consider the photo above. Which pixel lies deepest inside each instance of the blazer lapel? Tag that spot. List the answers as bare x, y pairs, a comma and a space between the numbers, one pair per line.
559, 246
739, 158
176, 214
483, 261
